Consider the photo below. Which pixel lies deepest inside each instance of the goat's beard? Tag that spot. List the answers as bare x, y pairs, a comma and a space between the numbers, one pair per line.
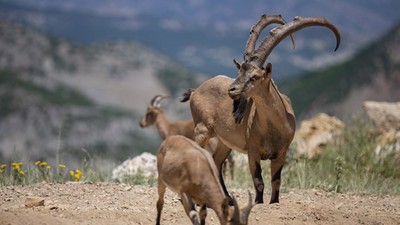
239, 108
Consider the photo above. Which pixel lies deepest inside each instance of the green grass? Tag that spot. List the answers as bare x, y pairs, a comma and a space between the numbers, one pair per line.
90, 170
348, 167
351, 166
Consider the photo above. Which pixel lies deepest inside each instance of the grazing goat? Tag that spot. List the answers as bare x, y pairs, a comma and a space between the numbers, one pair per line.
189, 170
263, 121
155, 116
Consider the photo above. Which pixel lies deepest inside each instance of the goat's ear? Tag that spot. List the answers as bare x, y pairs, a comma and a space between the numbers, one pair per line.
263, 74
268, 68
237, 64
267, 71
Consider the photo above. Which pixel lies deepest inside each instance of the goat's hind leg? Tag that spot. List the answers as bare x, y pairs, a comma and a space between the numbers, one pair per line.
160, 202
190, 209
220, 155
201, 134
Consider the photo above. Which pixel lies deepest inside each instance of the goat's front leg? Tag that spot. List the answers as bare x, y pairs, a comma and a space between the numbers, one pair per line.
255, 170
220, 155
190, 209
276, 169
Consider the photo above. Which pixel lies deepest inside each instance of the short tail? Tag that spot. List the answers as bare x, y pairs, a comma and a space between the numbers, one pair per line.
186, 95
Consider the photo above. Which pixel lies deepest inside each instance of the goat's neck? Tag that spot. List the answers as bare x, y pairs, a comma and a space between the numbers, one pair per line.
270, 106
162, 125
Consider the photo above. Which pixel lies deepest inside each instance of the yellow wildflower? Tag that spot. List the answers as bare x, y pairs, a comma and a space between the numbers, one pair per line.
3, 166
78, 175
37, 163
21, 172
16, 166
43, 164
78, 172
48, 167
62, 166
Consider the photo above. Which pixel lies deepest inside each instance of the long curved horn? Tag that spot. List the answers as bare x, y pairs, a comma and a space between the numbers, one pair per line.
155, 102
236, 212
257, 29
246, 212
279, 33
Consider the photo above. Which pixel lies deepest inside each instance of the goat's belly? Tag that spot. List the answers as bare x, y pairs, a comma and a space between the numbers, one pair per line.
232, 146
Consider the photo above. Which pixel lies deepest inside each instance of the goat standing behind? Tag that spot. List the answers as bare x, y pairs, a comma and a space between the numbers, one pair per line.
189, 170
155, 116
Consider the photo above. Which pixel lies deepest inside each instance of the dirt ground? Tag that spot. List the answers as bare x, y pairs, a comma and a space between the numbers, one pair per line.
110, 203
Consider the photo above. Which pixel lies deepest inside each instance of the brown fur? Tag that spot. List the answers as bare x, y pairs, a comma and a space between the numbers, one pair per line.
189, 170
156, 117
264, 127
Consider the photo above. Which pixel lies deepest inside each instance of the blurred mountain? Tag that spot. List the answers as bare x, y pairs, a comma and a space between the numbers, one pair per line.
373, 73
55, 94
207, 35
85, 96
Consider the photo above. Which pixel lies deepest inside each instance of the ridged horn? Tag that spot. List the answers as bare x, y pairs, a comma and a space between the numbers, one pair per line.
279, 33
258, 28
155, 102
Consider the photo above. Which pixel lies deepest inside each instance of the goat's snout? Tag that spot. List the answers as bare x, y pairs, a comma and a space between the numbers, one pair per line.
234, 91
142, 123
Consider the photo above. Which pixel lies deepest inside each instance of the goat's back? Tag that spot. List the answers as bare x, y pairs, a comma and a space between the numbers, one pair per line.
184, 128
186, 167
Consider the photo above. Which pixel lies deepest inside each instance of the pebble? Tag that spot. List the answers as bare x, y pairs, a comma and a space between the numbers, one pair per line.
34, 201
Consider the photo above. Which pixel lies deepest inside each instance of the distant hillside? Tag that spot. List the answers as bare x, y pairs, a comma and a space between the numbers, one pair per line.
373, 73
57, 93
207, 35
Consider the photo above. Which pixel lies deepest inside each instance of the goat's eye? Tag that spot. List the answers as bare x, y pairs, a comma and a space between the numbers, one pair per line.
254, 78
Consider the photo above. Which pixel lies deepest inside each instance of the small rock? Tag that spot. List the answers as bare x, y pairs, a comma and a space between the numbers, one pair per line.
339, 205
128, 188
34, 201
53, 207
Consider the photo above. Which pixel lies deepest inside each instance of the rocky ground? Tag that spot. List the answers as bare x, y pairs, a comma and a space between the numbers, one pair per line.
111, 203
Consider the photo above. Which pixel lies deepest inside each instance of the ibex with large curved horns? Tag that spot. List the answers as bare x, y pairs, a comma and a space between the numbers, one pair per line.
155, 116
263, 121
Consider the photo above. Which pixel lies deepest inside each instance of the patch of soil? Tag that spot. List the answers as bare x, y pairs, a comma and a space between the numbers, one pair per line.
111, 203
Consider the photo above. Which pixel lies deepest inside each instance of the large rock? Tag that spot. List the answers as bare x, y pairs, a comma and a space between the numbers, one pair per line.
144, 164
385, 115
386, 118
316, 133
